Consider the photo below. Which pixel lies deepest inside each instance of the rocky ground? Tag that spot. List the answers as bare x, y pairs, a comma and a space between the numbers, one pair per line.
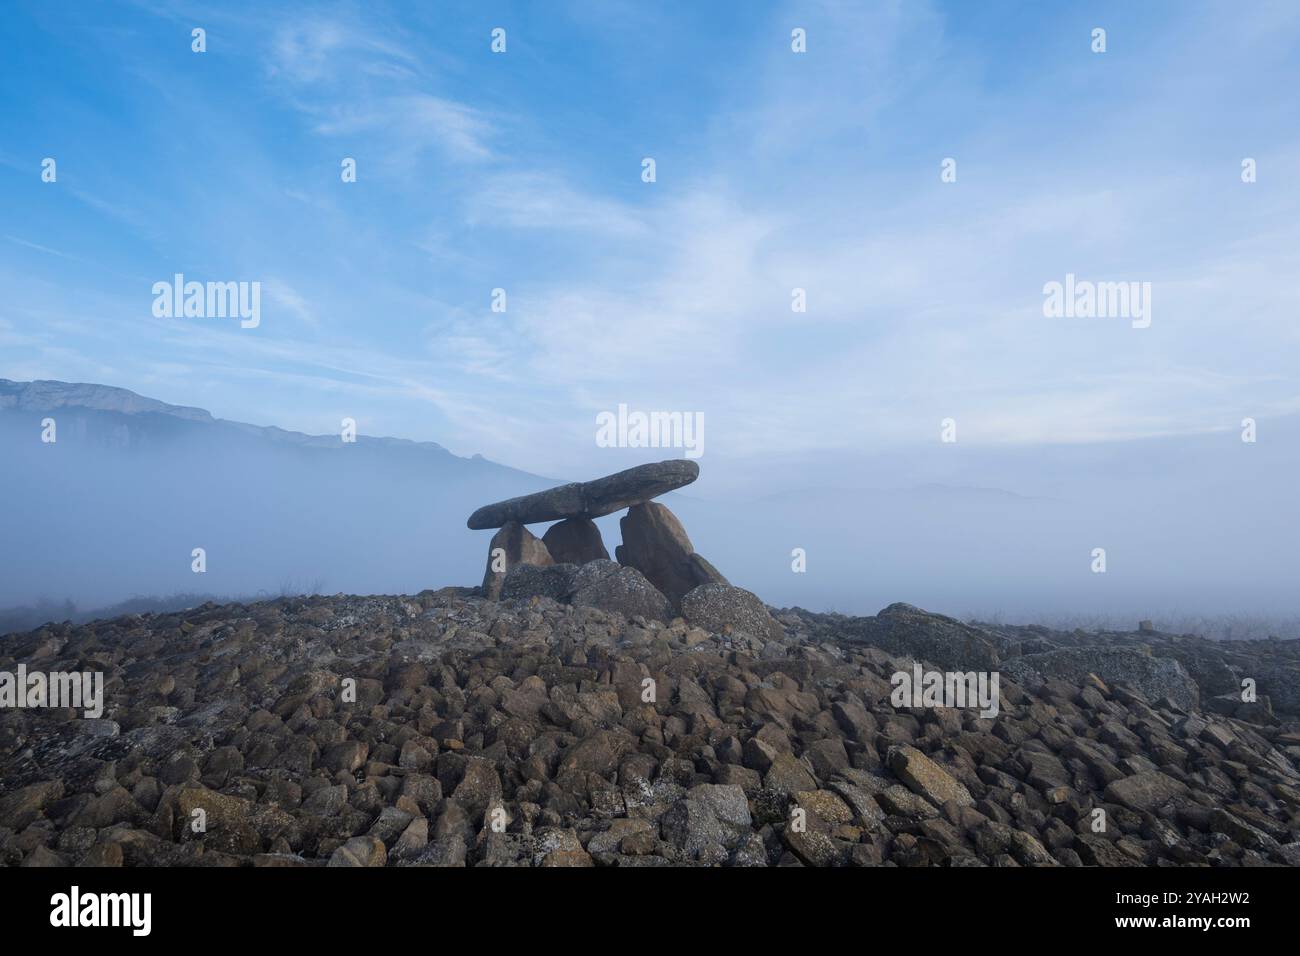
532, 732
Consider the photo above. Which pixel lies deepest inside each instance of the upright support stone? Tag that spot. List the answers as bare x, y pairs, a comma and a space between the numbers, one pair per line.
575, 541
655, 543
511, 546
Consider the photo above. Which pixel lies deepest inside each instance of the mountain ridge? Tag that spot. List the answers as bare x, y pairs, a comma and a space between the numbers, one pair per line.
52, 394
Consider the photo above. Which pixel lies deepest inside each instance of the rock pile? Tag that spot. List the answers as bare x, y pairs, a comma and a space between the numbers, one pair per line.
448, 729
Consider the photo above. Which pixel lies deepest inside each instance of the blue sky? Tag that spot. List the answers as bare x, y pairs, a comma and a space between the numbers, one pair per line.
775, 170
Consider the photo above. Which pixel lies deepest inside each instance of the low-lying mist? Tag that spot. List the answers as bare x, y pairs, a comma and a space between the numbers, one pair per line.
1198, 531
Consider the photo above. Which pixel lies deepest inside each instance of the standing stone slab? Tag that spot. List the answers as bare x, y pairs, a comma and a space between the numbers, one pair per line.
521, 546
575, 541
655, 543
589, 499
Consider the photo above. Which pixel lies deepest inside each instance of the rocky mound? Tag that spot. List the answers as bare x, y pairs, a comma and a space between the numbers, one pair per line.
449, 729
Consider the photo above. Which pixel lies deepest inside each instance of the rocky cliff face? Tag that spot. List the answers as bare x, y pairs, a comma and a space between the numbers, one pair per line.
448, 729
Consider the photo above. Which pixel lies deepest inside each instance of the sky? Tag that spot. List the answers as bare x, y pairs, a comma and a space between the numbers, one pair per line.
775, 170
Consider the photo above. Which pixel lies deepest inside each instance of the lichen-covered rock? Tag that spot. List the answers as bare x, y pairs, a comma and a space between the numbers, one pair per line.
611, 587
926, 778
724, 609
708, 816
527, 581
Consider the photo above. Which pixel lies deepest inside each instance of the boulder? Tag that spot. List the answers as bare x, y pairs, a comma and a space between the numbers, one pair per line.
520, 546
788, 775
360, 851
589, 499
926, 778
24, 805
1099, 851
479, 787
575, 541
655, 543
944, 641
599, 754
710, 815
722, 609
1149, 790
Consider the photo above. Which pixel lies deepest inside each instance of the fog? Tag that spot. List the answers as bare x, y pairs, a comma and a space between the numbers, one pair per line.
1191, 526
1202, 525
116, 506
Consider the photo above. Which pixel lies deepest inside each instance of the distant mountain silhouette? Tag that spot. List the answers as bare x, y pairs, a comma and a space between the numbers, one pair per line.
46, 396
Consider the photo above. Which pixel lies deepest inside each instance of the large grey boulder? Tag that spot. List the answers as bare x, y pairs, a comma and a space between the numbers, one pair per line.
655, 543
589, 499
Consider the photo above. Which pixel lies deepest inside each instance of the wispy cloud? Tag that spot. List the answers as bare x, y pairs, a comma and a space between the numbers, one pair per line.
777, 171
412, 124
535, 200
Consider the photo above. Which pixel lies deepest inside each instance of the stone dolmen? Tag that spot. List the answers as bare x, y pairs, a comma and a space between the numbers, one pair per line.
656, 564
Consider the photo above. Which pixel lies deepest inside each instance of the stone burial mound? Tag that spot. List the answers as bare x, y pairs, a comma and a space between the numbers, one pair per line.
445, 729
656, 572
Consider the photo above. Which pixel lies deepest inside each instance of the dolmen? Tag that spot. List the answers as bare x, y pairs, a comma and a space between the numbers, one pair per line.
656, 571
